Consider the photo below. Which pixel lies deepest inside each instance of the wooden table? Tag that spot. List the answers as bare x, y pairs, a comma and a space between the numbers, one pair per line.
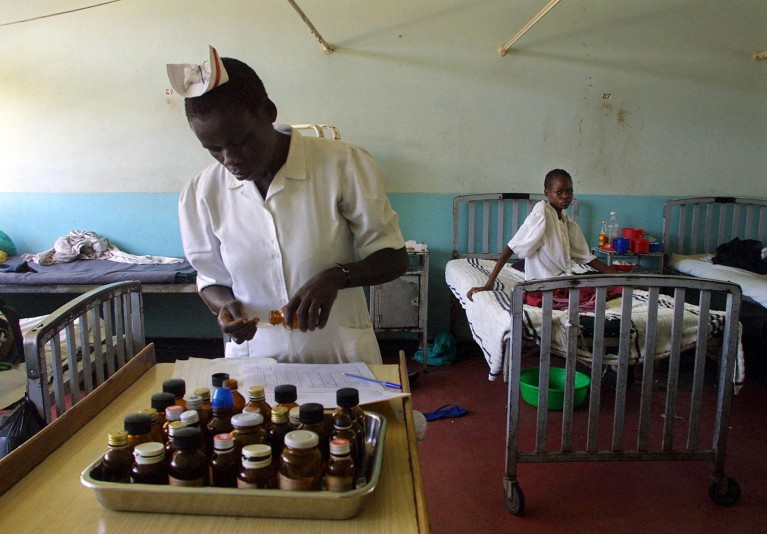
51, 497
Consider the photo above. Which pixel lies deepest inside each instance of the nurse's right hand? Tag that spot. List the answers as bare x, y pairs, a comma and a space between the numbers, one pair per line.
233, 320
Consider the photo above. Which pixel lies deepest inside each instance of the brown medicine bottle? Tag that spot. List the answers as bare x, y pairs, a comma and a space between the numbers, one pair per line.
248, 429
277, 317
150, 466
172, 413
161, 402
195, 402
294, 420
286, 395
138, 426
191, 418
204, 393
278, 430
177, 386
155, 428
189, 466
118, 459
344, 428
339, 473
348, 401
225, 462
238, 400
312, 417
257, 471
221, 404
257, 403
170, 448
301, 462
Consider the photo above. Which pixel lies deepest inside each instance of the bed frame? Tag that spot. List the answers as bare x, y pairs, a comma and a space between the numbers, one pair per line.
699, 225
497, 216
111, 328
631, 412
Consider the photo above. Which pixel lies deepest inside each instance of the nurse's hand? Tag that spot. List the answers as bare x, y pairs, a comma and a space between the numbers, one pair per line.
233, 320
312, 303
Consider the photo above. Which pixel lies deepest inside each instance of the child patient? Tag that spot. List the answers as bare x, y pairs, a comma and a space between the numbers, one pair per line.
550, 243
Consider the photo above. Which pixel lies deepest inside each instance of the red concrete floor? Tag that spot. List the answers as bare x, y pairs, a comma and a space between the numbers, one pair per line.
463, 462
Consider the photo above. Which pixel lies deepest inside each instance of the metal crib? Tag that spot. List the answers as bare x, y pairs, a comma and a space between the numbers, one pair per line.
722, 490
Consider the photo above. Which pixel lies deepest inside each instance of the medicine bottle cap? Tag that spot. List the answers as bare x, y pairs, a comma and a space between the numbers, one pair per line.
347, 397
339, 446
117, 439
257, 451
222, 398
301, 439
177, 386
310, 413
187, 438
223, 442
151, 412
160, 401
203, 392
174, 426
173, 413
293, 414
247, 419
218, 379
190, 417
342, 421
149, 453
193, 402
231, 383
256, 392
285, 394
137, 423
279, 414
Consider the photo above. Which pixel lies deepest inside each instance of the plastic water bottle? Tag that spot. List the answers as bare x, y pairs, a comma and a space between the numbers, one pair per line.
612, 227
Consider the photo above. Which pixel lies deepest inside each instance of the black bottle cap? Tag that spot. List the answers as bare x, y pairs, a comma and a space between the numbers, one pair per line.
311, 413
137, 423
162, 400
188, 437
177, 386
347, 397
218, 379
285, 394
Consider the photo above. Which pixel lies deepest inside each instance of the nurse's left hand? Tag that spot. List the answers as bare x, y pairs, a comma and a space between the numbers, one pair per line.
312, 303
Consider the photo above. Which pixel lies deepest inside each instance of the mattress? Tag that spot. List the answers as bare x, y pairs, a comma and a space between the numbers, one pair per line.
753, 285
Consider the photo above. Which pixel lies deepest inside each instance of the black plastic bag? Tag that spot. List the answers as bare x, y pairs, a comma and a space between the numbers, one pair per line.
23, 423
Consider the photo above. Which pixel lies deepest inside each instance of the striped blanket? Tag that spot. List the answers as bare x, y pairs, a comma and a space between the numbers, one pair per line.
490, 320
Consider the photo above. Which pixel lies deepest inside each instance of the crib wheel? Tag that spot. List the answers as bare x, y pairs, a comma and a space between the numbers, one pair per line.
514, 498
729, 496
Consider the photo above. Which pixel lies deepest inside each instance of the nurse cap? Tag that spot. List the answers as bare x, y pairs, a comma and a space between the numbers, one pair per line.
190, 80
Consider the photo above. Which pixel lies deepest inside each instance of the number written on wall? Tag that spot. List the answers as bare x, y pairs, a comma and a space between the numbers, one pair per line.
170, 92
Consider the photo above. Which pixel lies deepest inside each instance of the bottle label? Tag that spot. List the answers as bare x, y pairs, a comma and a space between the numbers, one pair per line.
245, 485
337, 484
294, 484
178, 482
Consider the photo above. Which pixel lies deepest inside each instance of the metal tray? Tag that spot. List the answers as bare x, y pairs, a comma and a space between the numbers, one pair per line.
246, 502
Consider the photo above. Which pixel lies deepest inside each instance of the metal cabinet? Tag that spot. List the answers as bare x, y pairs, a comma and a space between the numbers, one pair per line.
401, 305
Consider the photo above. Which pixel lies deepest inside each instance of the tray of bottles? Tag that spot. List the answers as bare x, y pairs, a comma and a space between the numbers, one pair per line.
246, 502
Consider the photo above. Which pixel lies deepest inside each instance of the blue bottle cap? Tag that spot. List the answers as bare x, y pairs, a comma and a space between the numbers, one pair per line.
222, 398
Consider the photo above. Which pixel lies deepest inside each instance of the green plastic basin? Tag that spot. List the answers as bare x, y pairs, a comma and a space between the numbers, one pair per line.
528, 386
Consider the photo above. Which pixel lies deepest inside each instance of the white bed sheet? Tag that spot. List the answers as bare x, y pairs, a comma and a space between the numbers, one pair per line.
490, 320
753, 285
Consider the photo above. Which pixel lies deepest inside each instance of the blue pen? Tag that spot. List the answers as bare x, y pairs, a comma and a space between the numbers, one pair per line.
383, 383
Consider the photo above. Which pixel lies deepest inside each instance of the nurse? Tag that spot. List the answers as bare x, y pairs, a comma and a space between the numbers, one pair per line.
282, 219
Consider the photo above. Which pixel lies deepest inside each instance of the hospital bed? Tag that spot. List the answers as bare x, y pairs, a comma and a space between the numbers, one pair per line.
482, 225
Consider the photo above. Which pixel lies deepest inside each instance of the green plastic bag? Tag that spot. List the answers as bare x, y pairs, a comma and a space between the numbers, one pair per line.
441, 352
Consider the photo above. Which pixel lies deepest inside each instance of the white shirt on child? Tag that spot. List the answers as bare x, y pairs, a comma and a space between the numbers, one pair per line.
550, 246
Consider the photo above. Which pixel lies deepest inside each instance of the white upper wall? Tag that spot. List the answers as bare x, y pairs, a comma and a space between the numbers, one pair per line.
658, 97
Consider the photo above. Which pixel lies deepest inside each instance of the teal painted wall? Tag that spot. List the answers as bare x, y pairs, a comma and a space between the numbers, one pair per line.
147, 224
